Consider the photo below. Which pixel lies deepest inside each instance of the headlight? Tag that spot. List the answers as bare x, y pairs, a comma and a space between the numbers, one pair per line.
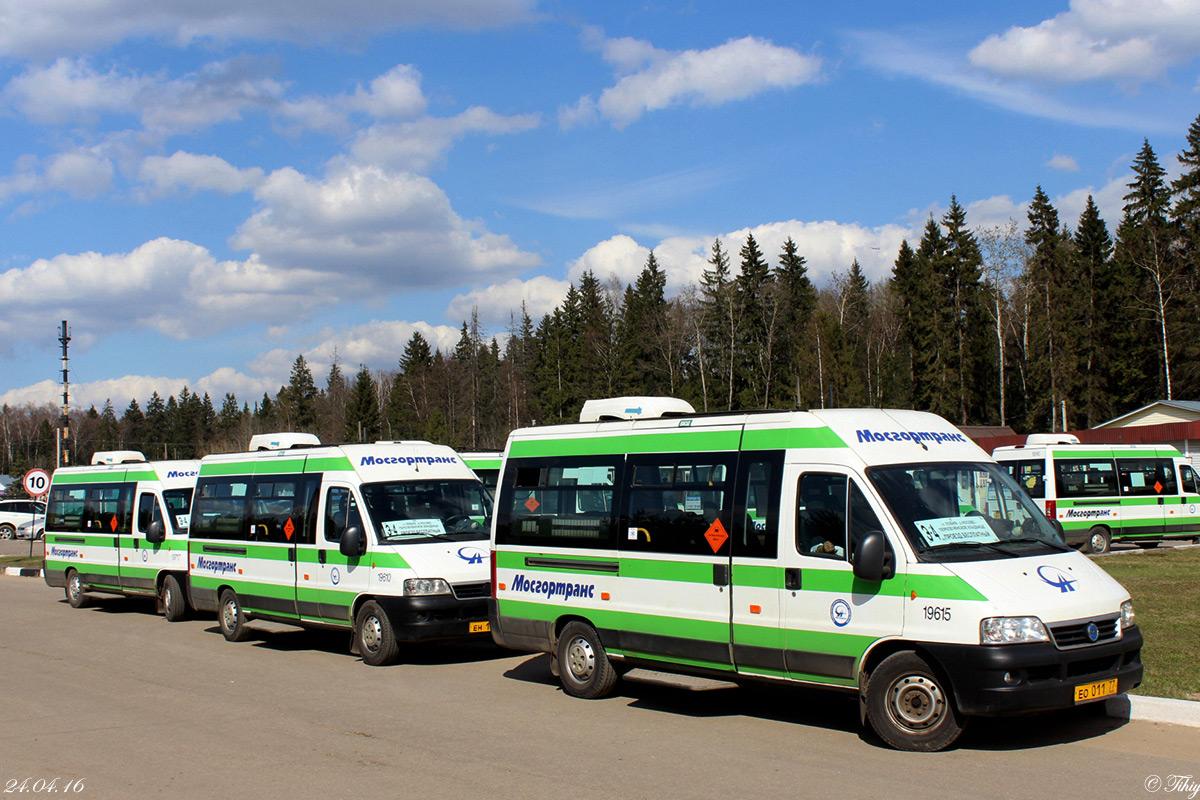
1128, 618
419, 586
1012, 630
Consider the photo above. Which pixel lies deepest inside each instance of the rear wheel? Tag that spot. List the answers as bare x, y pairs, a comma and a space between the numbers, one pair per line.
909, 706
584, 668
7, 531
231, 618
376, 639
1098, 541
74, 590
173, 605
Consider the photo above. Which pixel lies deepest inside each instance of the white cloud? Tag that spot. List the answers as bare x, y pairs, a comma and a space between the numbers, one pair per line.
73, 91
80, 173
172, 287
498, 303
1115, 39
1063, 163
388, 231
49, 27
736, 70
395, 93
190, 172
922, 60
619, 256
417, 145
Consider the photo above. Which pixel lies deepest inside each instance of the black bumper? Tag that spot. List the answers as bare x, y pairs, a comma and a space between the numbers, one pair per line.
1040, 676
425, 618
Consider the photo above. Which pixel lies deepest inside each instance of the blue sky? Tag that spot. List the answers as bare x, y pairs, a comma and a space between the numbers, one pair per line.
205, 191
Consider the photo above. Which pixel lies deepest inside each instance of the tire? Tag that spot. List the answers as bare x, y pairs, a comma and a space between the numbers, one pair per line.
231, 618
909, 706
374, 635
1099, 541
583, 665
171, 597
75, 589
7, 531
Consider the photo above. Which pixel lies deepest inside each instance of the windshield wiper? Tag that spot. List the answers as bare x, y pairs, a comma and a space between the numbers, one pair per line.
993, 546
1035, 540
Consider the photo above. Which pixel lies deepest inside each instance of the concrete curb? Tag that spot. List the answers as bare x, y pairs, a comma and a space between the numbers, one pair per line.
24, 572
1154, 709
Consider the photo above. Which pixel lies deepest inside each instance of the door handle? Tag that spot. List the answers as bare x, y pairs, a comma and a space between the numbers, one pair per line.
720, 574
791, 578
292, 553
321, 556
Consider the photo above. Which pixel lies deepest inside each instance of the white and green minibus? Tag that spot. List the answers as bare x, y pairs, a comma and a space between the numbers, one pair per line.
869, 551
119, 526
485, 464
387, 540
1102, 493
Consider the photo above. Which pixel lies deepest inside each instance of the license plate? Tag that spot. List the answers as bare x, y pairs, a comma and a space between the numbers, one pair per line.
484, 627
1087, 692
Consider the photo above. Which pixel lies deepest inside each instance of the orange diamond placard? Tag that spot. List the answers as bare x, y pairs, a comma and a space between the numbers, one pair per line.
113, 523
1158, 487
532, 504
289, 529
716, 535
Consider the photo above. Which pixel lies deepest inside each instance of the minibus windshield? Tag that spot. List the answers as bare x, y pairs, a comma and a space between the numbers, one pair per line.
414, 511
964, 511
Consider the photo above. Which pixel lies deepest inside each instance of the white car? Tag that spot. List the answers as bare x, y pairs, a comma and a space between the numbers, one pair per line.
15, 512
35, 529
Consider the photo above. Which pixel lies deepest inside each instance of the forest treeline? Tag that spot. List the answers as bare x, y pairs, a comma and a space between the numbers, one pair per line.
1054, 325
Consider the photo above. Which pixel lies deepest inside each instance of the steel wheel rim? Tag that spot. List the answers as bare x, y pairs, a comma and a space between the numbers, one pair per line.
1098, 542
74, 588
372, 633
916, 703
581, 659
229, 614
167, 595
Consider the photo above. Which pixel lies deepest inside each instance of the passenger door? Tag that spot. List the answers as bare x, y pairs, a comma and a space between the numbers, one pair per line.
830, 616
756, 589
677, 514
340, 579
1145, 485
149, 557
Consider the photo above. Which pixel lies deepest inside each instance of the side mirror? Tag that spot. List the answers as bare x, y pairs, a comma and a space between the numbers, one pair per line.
352, 543
870, 558
157, 532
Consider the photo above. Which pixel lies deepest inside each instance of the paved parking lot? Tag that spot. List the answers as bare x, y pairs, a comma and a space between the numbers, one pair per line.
134, 705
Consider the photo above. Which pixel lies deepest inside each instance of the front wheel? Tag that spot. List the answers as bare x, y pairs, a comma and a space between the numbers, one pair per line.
74, 590
231, 618
909, 707
584, 668
376, 639
1098, 541
173, 604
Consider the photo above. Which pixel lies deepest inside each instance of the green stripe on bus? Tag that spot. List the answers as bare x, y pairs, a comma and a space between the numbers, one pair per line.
95, 477
681, 441
700, 630
328, 464
790, 438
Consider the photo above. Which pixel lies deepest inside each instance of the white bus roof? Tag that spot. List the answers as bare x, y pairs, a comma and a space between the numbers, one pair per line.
118, 457
282, 441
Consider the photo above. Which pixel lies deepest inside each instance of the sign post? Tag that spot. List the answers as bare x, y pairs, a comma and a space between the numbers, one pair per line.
37, 484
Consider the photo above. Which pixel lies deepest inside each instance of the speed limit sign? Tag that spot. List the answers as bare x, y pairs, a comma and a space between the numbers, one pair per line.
37, 482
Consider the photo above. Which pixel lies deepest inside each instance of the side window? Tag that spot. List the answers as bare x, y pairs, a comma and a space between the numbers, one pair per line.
558, 502
219, 509
1085, 477
341, 512
109, 508
1030, 474
65, 512
759, 485
821, 515
278, 509
679, 504
1146, 476
1187, 477
832, 515
147, 511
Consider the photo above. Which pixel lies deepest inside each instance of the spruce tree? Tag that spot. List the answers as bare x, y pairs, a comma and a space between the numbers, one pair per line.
362, 409
302, 397
1092, 250
798, 299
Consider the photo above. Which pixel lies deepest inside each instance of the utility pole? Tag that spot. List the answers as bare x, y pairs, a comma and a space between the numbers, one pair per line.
64, 422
